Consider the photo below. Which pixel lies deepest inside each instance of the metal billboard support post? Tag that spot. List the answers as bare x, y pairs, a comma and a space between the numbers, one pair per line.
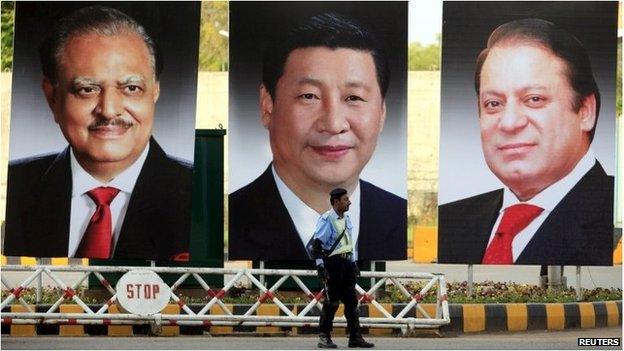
155, 325
554, 277
470, 277
579, 291
39, 284
261, 266
372, 269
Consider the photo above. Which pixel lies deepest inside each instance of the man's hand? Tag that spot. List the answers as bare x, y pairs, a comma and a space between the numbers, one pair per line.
317, 249
356, 270
322, 274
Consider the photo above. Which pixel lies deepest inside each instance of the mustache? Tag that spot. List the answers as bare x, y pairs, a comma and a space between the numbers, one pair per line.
116, 122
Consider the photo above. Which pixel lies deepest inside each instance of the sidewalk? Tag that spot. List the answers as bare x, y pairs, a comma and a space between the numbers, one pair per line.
591, 277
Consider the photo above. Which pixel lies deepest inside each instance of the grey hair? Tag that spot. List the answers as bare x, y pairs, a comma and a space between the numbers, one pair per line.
99, 20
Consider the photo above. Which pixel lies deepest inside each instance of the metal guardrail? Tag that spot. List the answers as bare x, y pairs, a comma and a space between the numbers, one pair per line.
204, 318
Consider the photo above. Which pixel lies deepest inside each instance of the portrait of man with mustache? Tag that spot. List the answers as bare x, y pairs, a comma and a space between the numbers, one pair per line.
113, 192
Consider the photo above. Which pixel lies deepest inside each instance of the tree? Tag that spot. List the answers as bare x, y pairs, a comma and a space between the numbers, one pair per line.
213, 44
424, 58
8, 21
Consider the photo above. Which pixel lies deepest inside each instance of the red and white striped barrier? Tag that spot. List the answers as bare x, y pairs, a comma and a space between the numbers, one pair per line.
228, 318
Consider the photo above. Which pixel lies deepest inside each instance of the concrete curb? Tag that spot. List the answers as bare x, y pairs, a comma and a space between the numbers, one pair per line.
533, 316
465, 318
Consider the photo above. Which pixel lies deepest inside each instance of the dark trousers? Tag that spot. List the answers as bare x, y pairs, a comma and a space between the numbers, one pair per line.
341, 287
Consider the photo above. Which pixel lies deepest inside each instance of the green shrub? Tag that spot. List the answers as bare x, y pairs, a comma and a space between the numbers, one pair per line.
457, 292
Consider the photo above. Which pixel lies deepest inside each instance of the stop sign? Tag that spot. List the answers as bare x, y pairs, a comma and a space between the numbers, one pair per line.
142, 292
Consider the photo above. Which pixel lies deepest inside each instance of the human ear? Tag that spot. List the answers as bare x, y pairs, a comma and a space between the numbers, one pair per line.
49, 92
266, 106
156, 91
382, 120
587, 113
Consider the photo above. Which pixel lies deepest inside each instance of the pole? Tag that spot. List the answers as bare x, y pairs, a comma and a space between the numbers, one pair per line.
372, 269
543, 281
579, 291
261, 266
39, 284
554, 277
470, 277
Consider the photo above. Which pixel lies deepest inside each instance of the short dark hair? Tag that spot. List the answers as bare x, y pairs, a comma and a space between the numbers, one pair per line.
93, 19
336, 194
561, 43
327, 30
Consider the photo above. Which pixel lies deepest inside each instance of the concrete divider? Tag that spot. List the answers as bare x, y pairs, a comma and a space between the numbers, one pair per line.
71, 329
22, 330
170, 330
118, 330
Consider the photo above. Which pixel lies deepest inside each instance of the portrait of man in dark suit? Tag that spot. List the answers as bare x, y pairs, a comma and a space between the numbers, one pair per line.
538, 104
113, 192
323, 102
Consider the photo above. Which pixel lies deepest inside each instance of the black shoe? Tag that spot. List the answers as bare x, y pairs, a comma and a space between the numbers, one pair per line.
325, 342
360, 342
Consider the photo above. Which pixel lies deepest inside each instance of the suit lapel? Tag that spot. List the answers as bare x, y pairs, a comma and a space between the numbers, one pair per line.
558, 240
383, 224
565, 234
287, 241
465, 227
136, 238
47, 220
372, 228
287, 238
478, 234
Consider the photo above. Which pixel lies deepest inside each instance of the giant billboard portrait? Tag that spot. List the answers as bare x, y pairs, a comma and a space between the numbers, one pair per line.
102, 130
527, 133
317, 101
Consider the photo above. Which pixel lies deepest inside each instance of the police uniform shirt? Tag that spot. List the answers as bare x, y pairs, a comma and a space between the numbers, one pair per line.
305, 218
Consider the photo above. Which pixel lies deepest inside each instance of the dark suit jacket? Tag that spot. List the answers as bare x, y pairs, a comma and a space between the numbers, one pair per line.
157, 221
260, 227
579, 230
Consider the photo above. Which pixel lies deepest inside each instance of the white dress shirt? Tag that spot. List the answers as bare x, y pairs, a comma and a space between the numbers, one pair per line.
305, 218
546, 199
83, 207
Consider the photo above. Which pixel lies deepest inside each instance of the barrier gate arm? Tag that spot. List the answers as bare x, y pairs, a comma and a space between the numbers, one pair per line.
228, 318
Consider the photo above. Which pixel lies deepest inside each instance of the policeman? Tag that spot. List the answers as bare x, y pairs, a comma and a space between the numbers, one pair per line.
332, 246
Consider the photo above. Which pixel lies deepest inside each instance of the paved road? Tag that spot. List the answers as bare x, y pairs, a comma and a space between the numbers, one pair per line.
542, 340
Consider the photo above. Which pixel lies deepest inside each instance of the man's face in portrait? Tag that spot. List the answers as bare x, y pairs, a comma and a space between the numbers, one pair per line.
325, 117
531, 131
105, 97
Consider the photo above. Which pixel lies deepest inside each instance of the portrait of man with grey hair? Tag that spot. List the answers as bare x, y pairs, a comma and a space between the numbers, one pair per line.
538, 101
113, 192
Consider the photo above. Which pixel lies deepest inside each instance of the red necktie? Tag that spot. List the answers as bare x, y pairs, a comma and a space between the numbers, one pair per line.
515, 218
97, 240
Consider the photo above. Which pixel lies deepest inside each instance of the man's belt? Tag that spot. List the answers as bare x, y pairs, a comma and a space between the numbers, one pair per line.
345, 255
